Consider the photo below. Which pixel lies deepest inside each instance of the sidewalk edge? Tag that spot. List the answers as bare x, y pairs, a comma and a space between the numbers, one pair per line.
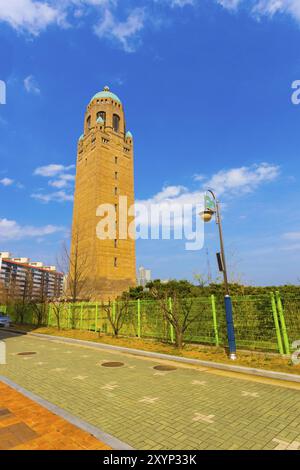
107, 439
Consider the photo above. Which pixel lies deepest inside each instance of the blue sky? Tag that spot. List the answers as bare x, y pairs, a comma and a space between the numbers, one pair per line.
207, 92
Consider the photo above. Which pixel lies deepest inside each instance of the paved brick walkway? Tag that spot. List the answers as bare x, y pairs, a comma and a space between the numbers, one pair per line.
26, 425
187, 408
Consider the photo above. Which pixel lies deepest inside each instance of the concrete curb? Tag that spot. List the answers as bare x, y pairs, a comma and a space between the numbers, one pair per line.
111, 441
138, 352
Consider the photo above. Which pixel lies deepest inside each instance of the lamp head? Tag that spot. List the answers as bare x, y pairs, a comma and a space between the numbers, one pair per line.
206, 215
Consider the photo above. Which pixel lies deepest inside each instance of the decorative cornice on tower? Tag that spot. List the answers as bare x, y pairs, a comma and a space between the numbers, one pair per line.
105, 94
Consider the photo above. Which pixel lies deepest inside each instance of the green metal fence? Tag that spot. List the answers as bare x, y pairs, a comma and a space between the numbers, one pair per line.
268, 322
289, 305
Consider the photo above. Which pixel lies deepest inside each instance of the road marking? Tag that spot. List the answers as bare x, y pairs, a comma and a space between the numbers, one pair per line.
205, 418
110, 386
249, 394
284, 445
148, 400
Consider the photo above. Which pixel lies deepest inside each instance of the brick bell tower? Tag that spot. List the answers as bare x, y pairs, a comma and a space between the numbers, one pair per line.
104, 171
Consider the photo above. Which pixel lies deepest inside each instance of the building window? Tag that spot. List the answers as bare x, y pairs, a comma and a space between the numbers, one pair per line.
88, 122
115, 262
116, 243
116, 160
102, 114
116, 191
116, 123
116, 175
116, 208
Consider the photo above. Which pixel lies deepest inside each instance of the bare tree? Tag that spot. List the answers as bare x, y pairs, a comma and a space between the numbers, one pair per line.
15, 297
178, 312
116, 313
3, 294
39, 302
57, 307
202, 280
75, 264
22, 303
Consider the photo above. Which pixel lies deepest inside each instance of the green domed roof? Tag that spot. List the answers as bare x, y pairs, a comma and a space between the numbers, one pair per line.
100, 120
81, 137
106, 93
128, 134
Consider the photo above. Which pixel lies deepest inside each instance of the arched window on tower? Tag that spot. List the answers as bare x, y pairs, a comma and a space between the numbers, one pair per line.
88, 122
102, 114
116, 123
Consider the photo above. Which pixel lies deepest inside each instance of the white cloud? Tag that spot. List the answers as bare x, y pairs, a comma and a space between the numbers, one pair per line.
175, 198
52, 170
225, 182
123, 32
11, 230
292, 236
271, 7
35, 16
294, 247
29, 15
238, 180
168, 193
268, 8
230, 4
63, 181
199, 177
181, 3
6, 181
58, 196
31, 85
243, 179
177, 3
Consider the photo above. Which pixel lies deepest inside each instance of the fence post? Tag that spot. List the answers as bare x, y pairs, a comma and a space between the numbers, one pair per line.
283, 325
139, 317
114, 311
49, 314
96, 316
171, 326
214, 313
276, 323
69, 315
81, 314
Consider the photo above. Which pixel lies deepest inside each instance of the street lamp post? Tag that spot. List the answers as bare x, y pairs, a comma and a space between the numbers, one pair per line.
212, 207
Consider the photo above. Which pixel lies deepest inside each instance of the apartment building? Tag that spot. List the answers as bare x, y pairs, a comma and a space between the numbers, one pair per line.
22, 278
